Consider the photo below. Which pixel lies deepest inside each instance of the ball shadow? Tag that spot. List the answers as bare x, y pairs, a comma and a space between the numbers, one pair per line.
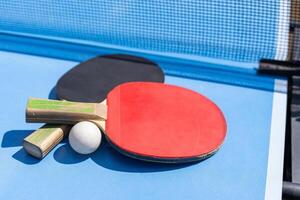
66, 155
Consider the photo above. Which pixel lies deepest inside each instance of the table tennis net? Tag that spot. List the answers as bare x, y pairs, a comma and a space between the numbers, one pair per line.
242, 31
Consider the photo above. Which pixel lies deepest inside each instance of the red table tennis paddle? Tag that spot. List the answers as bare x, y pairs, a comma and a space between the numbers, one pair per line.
148, 121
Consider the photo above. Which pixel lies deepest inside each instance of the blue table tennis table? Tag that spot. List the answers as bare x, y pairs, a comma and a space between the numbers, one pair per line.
212, 47
248, 166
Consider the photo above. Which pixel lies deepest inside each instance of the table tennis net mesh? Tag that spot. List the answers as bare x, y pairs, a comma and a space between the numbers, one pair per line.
220, 29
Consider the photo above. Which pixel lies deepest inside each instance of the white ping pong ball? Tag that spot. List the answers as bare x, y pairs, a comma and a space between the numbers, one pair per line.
85, 137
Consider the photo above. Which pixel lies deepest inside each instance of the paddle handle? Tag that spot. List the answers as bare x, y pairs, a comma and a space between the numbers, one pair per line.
63, 112
43, 140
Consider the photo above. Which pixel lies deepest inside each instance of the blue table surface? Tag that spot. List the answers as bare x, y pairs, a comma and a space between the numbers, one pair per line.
237, 171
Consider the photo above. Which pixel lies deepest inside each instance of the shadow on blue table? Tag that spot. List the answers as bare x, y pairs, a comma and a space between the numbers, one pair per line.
109, 158
14, 138
105, 156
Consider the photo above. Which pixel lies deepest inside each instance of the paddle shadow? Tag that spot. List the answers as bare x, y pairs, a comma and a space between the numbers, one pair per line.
25, 158
109, 158
14, 138
106, 156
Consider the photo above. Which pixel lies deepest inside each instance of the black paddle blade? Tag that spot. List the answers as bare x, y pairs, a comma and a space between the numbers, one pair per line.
92, 80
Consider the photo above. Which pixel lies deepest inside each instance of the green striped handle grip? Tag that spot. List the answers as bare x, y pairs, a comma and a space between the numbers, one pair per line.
65, 112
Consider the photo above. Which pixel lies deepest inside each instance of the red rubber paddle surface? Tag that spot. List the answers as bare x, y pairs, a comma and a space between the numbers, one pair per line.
163, 121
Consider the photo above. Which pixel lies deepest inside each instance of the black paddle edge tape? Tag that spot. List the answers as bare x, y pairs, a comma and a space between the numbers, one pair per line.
129, 58
278, 67
291, 190
287, 165
161, 160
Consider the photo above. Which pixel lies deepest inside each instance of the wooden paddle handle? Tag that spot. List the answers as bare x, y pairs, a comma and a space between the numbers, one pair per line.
63, 112
43, 140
